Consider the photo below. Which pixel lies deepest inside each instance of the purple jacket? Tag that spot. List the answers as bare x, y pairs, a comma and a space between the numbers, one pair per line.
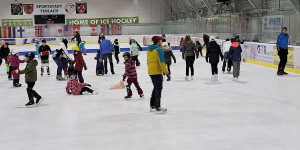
15, 62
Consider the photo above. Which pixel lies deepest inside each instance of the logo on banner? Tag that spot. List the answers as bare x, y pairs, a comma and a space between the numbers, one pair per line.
28, 8
70, 8
16, 9
81, 8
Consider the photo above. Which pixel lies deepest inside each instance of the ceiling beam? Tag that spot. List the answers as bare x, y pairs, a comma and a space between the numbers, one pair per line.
255, 5
208, 7
197, 11
167, 8
294, 4
183, 8
176, 11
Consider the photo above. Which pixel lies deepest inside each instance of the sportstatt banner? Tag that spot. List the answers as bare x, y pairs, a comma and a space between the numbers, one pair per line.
17, 22
103, 21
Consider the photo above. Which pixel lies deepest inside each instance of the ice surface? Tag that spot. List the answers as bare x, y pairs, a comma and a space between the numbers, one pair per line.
259, 112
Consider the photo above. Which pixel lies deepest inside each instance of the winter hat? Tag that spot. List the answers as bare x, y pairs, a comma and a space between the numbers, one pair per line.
164, 44
13, 52
156, 39
212, 38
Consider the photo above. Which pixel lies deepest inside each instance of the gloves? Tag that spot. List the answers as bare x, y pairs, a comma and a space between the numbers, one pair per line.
85, 68
15, 72
124, 77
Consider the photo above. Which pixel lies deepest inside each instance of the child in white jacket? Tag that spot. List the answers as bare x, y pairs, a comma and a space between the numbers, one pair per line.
61, 57
227, 60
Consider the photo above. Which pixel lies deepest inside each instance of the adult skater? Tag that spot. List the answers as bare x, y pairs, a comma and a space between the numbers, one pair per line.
117, 50
156, 66
44, 51
189, 52
100, 38
77, 37
61, 57
30, 78
235, 52
134, 50
282, 48
4, 51
213, 53
107, 48
206, 40
227, 59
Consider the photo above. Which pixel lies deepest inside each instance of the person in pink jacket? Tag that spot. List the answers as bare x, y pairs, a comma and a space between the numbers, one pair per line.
15, 63
76, 88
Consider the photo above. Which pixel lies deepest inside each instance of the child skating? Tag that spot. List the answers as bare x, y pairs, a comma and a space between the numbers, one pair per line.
15, 63
44, 52
131, 75
30, 78
168, 57
99, 66
79, 63
76, 88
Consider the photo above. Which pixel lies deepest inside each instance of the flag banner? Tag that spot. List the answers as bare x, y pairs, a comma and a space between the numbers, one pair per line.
76, 28
68, 30
103, 21
16, 22
38, 31
118, 29
93, 30
20, 32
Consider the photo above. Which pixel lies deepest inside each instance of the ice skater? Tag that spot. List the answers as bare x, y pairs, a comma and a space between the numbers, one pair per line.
117, 50
99, 66
283, 51
44, 51
107, 49
61, 57
227, 60
235, 52
76, 88
131, 75
82, 47
168, 54
156, 66
79, 63
30, 78
189, 52
134, 50
213, 55
4, 51
15, 63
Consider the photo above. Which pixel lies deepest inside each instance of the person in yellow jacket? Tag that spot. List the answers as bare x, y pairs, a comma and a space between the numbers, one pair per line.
156, 67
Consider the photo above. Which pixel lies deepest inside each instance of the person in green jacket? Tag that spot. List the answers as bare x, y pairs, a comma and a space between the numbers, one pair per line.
30, 78
117, 50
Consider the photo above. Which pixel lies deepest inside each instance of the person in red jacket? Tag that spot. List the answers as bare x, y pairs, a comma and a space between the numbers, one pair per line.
79, 63
130, 73
75, 88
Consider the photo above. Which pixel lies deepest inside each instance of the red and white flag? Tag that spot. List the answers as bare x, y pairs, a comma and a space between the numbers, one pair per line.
118, 29
76, 28
38, 31
93, 30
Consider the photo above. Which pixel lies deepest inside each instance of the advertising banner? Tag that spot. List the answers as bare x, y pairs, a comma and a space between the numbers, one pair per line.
290, 62
103, 21
258, 52
297, 58
53, 8
17, 22
272, 24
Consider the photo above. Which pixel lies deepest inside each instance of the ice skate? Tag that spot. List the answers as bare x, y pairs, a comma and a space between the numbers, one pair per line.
127, 97
168, 78
186, 78
59, 78
142, 96
39, 100
285, 73
17, 85
152, 109
30, 104
192, 77
160, 110
95, 93
66, 77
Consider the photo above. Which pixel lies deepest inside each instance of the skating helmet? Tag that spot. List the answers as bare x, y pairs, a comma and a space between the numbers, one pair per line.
29, 56
126, 56
75, 48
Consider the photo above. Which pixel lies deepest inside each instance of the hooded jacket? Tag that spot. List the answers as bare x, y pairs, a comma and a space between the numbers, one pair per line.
74, 87
80, 63
226, 46
168, 54
106, 47
213, 53
156, 61
235, 51
30, 71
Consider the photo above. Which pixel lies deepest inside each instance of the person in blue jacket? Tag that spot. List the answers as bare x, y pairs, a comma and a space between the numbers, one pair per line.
106, 51
37, 47
82, 47
282, 48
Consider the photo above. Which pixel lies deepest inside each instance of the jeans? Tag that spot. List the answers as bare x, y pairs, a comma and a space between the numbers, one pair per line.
157, 81
214, 69
59, 64
136, 83
227, 60
283, 53
189, 60
236, 68
109, 57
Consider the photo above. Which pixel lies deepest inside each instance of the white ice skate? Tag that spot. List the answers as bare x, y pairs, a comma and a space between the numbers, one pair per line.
160, 110
186, 78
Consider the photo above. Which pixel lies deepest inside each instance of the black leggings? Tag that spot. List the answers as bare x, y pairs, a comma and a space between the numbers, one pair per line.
79, 75
168, 66
189, 64
136, 59
31, 93
214, 69
283, 53
109, 58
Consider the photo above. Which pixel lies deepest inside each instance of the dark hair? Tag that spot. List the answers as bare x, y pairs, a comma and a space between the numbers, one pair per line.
197, 42
233, 40
77, 32
163, 35
169, 44
103, 37
284, 28
6, 43
116, 39
65, 41
44, 41
227, 39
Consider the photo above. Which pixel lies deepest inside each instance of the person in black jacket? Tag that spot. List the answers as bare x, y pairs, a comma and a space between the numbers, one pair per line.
4, 51
212, 56
235, 52
199, 47
189, 52
206, 40
168, 57
78, 38
44, 51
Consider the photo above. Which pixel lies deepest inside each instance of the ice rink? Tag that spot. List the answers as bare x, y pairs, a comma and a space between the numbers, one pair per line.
261, 111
